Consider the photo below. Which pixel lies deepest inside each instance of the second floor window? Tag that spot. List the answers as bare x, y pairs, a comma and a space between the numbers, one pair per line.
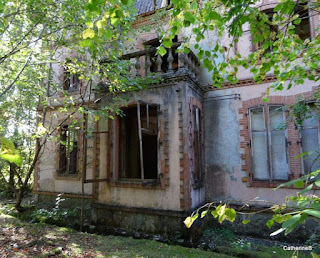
303, 29
268, 143
71, 82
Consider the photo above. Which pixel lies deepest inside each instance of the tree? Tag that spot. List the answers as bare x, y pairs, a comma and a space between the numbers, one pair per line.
34, 37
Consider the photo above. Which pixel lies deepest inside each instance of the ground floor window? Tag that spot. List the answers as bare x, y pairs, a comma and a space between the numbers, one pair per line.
138, 132
309, 141
197, 143
68, 150
268, 143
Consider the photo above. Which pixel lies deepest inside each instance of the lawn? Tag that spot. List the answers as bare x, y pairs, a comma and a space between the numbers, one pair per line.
19, 238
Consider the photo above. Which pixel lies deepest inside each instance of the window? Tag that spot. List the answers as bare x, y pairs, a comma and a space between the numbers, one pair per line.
267, 32
197, 143
268, 143
68, 150
272, 29
310, 141
139, 142
71, 82
303, 28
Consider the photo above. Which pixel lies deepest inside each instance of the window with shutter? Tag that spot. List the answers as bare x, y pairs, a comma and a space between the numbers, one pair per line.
268, 143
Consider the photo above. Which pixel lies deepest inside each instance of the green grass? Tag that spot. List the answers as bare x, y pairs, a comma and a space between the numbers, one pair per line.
54, 240
65, 242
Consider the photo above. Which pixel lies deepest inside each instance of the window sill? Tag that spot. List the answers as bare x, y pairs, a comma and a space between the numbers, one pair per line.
137, 183
70, 177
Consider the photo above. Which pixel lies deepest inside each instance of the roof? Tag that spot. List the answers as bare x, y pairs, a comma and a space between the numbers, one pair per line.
145, 6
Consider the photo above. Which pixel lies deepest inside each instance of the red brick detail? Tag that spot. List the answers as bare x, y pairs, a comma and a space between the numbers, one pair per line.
113, 143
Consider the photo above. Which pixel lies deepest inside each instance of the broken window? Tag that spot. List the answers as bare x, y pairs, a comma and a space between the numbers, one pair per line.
68, 150
139, 142
310, 141
197, 143
268, 143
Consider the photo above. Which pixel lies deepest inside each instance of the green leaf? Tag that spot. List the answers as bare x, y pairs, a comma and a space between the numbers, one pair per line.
204, 213
161, 51
270, 223
189, 220
308, 188
88, 33
314, 213
317, 183
9, 153
214, 214
125, 2
167, 42
299, 184
245, 222
86, 43
115, 21
230, 214
297, 21
188, 16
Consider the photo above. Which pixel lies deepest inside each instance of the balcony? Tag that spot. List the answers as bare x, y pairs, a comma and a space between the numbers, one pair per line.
172, 64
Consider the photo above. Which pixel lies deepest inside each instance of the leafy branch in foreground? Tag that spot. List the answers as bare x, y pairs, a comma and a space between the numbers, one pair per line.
294, 212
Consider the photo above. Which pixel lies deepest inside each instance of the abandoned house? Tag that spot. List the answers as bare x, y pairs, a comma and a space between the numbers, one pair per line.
181, 143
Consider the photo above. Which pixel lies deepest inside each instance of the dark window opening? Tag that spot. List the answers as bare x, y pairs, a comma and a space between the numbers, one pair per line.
68, 150
139, 142
272, 30
197, 143
71, 82
153, 44
303, 29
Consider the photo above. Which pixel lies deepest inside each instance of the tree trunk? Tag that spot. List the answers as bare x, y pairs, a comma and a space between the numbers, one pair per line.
19, 198
11, 179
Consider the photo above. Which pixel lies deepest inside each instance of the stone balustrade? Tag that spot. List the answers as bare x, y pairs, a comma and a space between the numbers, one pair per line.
172, 64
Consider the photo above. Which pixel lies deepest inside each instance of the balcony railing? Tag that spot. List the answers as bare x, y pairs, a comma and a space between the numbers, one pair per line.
172, 64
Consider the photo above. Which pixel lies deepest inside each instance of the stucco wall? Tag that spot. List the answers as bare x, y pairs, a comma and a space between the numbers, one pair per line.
222, 144
47, 178
170, 100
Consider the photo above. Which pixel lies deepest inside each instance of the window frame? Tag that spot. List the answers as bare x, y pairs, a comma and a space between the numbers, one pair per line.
64, 172
197, 161
68, 78
119, 161
301, 140
268, 131
309, 18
